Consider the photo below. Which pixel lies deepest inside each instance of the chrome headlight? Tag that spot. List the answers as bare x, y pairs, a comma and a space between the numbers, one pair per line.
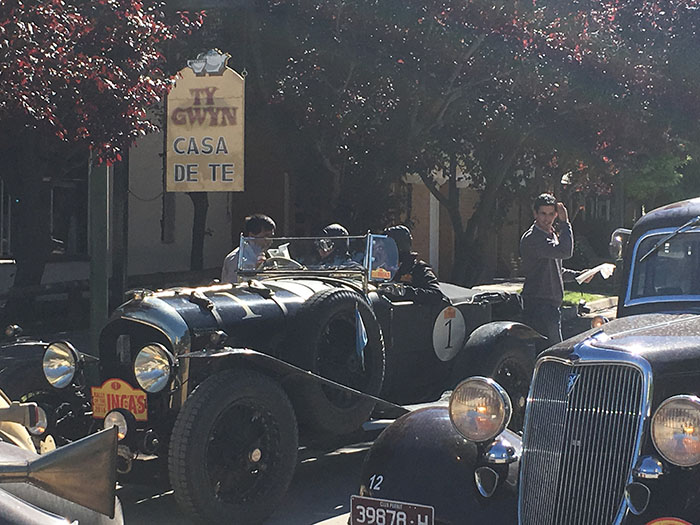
675, 430
152, 367
116, 419
480, 408
59, 364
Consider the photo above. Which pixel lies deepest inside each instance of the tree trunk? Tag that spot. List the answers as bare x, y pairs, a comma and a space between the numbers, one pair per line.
120, 237
200, 201
470, 243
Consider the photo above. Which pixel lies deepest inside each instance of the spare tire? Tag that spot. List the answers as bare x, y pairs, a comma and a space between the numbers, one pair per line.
511, 367
325, 343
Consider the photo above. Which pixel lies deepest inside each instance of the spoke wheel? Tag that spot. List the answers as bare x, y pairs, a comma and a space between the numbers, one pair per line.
233, 448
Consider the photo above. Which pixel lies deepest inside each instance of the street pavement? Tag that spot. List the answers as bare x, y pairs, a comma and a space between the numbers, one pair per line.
319, 494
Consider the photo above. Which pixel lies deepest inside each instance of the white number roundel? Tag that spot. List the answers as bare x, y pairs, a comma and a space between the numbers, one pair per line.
448, 333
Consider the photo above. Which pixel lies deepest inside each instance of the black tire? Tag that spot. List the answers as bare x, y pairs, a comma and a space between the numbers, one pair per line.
512, 369
233, 449
325, 345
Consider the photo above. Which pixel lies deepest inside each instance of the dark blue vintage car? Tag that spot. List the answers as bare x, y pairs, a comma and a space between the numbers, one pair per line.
223, 382
612, 424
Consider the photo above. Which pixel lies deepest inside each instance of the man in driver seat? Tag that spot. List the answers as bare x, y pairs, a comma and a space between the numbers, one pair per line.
333, 253
258, 226
418, 281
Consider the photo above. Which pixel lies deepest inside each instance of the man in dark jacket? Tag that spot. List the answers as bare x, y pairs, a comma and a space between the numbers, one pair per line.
417, 278
542, 250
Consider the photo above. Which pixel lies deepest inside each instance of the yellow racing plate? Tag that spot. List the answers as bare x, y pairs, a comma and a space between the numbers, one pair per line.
116, 393
380, 273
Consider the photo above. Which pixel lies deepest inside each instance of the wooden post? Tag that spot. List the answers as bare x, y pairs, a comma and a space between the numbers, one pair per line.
99, 182
120, 232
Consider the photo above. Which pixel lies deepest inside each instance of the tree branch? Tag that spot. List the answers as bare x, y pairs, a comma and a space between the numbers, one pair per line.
332, 168
434, 189
473, 48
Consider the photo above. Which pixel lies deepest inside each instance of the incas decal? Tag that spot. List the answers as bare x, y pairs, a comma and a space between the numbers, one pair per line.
116, 393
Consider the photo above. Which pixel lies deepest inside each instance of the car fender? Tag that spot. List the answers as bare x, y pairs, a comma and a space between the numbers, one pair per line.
14, 511
289, 376
421, 458
20, 367
491, 337
25, 504
496, 331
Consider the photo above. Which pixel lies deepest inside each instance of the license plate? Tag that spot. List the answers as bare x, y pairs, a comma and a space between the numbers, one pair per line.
374, 511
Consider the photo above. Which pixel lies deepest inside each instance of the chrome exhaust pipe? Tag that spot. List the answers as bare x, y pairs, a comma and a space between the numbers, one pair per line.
83, 472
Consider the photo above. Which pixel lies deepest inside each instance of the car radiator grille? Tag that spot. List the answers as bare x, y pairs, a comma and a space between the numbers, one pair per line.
579, 445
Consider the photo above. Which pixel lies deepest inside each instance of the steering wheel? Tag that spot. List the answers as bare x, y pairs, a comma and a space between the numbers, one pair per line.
276, 262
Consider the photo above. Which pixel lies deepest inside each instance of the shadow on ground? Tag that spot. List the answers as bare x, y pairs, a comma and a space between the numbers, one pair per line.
320, 491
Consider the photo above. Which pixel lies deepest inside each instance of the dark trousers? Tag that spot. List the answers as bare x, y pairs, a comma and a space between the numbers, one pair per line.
544, 317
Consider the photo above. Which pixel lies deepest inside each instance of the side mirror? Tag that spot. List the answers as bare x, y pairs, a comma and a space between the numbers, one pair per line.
618, 242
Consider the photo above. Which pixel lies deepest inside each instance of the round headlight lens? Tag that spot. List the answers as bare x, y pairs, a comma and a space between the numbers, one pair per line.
60, 363
480, 408
675, 430
116, 419
152, 367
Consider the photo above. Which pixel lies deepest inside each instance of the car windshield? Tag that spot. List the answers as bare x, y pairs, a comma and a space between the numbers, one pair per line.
671, 272
375, 256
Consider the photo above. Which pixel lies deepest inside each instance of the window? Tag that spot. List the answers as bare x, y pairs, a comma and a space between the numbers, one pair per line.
673, 270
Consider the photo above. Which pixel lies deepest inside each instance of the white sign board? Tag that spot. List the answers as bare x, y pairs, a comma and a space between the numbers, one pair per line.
205, 127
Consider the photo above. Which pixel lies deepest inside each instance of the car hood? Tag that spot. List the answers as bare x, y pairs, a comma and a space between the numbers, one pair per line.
239, 311
669, 342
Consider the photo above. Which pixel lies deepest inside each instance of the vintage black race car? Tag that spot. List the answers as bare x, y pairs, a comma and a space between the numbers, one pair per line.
222, 380
612, 424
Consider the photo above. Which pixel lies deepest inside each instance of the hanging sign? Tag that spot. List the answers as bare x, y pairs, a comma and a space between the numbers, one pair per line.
205, 127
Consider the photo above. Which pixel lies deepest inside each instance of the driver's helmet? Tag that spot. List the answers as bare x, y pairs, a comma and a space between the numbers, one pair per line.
402, 237
327, 246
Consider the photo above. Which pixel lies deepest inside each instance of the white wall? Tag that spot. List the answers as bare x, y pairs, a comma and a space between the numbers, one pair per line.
147, 253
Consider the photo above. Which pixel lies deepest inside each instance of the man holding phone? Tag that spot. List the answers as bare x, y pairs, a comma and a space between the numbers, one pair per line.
542, 250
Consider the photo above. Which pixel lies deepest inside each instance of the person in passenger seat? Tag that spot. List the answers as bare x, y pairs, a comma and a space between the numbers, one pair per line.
419, 282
